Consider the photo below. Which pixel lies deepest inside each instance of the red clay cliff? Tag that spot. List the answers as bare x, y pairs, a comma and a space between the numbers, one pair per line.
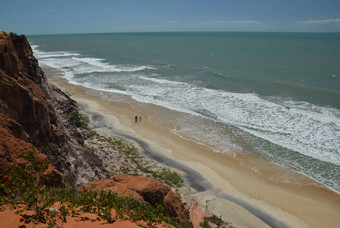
35, 112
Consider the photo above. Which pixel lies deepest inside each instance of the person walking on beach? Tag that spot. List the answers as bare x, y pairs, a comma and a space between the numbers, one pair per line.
136, 119
140, 119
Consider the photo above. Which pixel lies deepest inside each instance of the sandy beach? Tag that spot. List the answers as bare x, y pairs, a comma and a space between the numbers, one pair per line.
244, 190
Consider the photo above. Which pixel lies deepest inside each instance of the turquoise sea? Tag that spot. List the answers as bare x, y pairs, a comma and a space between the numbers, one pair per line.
275, 95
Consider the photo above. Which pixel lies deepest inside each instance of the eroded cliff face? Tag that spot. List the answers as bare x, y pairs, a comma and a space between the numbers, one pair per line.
32, 111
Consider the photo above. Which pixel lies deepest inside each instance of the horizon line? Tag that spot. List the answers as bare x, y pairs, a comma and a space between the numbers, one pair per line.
202, 31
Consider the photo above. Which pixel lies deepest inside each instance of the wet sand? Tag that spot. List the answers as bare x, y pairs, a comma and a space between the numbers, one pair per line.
270, 196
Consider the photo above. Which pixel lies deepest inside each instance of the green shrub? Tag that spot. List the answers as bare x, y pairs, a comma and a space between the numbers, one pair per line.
25, 184
79, 119
14, 35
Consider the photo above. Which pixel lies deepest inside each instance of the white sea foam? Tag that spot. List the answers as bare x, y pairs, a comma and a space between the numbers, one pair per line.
314, 134
82, 65
161, 81
41, 54
33, 46
92, 65
87, 65
69, 75
54, 54
60, 63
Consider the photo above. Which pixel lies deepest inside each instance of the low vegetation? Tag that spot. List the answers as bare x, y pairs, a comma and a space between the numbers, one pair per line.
79, 119
14, 35
165, 175
25, 186
214, 221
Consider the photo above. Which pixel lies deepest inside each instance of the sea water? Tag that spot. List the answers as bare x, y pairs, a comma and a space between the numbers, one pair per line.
275, 95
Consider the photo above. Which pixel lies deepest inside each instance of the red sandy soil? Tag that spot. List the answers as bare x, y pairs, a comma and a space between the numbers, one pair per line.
9, 219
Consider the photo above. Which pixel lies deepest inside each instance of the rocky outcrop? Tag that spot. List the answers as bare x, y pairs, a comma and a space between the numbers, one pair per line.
35, 112
142, 188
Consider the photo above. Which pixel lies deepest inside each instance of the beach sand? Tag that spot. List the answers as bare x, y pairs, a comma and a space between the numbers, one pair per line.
244, 190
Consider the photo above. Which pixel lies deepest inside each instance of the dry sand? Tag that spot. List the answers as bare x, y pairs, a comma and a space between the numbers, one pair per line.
246, 197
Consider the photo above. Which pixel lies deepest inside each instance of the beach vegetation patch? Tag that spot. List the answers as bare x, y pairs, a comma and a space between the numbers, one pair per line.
79, 119
163, 174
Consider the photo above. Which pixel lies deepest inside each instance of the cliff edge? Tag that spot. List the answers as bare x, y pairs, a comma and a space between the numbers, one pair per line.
32, 111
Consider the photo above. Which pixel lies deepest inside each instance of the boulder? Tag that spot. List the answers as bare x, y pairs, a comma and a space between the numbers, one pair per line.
142, 188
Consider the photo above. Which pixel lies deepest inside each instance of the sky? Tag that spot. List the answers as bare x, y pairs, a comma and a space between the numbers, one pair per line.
96, 16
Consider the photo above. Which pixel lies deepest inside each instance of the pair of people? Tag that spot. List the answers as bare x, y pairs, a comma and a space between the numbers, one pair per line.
136, 119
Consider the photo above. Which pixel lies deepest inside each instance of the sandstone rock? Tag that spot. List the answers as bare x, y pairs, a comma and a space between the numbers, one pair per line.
110, 185
151, 190
143, 188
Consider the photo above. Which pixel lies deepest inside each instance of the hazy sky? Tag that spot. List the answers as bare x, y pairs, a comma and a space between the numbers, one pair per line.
86, 16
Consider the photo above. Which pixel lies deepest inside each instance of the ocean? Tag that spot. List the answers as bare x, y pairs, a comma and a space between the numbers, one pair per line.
271, 95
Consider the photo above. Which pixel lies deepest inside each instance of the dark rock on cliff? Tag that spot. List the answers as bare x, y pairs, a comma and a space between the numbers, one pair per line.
34, 111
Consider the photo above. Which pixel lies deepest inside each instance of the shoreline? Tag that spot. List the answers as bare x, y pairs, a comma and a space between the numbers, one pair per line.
290, 204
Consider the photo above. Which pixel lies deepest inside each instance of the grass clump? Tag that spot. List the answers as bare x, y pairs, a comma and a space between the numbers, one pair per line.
14, 35
79, 119
24, 184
